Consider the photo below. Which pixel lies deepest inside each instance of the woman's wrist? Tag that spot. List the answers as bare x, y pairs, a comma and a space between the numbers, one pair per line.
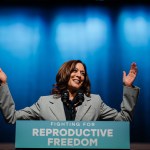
2, 83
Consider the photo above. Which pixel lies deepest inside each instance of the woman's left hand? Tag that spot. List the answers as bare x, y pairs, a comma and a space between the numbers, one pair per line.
129, 79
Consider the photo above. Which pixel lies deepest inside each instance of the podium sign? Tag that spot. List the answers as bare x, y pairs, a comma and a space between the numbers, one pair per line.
73, 134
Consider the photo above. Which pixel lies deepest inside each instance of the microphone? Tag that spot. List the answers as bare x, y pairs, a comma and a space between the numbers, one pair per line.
65, 96
79, 98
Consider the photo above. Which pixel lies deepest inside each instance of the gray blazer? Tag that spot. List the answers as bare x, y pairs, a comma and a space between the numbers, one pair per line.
49, 108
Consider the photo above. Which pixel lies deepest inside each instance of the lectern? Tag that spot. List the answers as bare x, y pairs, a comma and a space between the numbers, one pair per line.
72, 135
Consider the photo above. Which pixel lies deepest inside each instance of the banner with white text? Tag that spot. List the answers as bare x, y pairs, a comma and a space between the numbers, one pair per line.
73, 134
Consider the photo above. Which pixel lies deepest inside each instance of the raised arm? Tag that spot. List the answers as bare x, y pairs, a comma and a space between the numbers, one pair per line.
130, 96
7, 105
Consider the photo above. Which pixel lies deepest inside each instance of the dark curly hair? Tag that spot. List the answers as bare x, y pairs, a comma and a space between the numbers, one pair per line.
63, 77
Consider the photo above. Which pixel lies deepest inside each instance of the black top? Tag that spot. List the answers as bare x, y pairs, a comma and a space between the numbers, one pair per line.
70, 109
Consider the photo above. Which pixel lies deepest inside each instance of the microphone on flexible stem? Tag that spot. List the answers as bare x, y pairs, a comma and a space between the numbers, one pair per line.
65, 96
79, 97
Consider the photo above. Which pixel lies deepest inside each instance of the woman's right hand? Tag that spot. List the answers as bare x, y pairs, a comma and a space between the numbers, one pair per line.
3, 77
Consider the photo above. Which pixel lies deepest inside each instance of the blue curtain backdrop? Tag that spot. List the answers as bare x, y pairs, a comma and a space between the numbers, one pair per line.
35, 42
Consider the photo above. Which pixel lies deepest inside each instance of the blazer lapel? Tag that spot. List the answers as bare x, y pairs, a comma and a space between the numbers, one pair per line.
82, 110
57, 109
